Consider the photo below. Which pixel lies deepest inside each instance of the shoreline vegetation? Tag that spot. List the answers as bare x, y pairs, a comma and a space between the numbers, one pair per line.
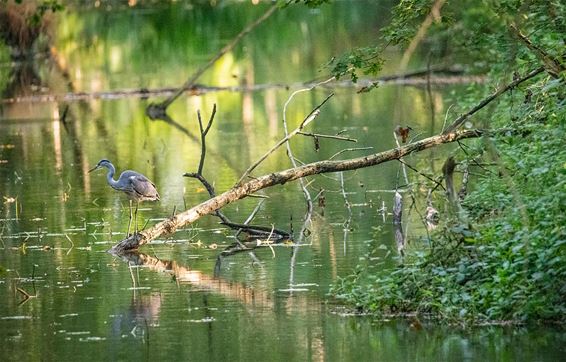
498, 254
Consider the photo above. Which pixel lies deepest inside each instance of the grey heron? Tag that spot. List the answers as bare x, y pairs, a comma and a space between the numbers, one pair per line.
135, 185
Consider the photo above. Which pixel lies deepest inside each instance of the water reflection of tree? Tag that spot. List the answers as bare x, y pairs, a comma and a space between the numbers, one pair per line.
200, 280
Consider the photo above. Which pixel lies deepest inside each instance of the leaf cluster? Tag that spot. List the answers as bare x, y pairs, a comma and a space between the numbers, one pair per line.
368, 60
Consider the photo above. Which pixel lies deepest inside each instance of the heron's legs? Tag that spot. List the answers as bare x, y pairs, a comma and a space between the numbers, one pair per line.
130, 221
136, 218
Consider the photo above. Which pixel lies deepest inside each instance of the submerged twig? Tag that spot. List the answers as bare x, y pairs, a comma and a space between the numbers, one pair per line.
26, 296
72, 244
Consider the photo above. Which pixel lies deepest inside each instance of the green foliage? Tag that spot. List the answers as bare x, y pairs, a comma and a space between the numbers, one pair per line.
407, 17
367, 59
43, 7
507, 260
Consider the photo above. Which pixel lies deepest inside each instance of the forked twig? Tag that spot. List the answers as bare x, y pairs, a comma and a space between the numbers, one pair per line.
349, 150
203, 133
210, 189
198, 175
292, 158
314, 113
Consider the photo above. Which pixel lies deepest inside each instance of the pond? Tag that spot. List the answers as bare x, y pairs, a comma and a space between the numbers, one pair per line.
65, 296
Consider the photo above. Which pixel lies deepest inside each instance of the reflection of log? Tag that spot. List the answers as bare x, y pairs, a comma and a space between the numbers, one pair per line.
171, 224
200, 280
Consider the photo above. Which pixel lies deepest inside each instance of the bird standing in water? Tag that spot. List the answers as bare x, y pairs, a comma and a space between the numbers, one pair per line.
136, 186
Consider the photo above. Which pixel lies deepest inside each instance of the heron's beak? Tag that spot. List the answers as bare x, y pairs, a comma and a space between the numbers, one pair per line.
94, 168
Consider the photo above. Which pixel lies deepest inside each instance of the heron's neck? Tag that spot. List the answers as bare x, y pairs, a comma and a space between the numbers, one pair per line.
110, 175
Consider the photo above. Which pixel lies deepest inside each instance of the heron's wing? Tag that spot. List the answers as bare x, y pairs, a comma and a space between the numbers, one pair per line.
143, 187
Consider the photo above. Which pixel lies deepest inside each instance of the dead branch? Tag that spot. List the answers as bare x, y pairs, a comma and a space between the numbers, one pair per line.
238, 246
210, 190
257, 232
203, 133
250, 218
552, 65
318, 135
198, 175
463, 118
171, 224
398, 145
397, 222
346, 202
288, 136
158, 110
422, 174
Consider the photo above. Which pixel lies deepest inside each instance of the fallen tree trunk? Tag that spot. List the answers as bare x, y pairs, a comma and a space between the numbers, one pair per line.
171, 224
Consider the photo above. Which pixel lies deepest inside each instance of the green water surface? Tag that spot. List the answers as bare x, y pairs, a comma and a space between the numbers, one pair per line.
176, 299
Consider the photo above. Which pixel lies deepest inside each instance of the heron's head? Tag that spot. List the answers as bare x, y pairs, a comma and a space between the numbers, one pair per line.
100, 164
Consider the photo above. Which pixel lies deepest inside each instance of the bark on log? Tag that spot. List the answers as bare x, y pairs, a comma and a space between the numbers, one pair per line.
171, 224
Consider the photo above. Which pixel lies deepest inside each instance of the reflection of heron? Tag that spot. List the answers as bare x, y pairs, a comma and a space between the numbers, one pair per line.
136, 186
